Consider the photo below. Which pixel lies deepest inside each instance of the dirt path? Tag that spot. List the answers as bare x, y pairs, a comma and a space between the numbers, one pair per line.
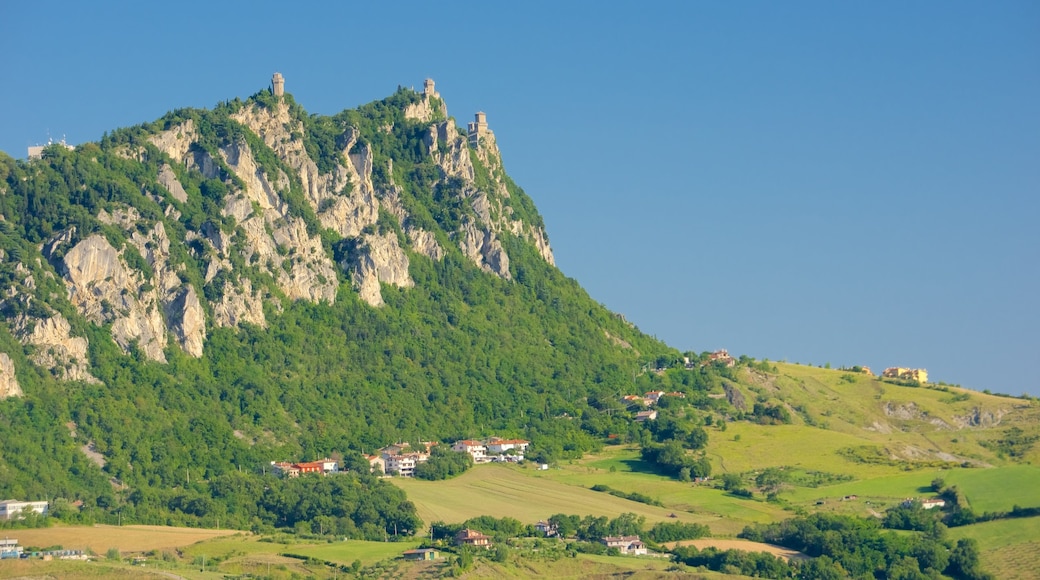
745, 545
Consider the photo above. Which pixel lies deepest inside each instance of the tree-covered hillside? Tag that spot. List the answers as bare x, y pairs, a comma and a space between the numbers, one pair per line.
160, 311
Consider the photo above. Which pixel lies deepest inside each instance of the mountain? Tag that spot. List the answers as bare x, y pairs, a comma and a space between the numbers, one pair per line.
190, 299
198, 296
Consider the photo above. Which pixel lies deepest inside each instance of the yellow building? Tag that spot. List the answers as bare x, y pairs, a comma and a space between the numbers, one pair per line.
919, 375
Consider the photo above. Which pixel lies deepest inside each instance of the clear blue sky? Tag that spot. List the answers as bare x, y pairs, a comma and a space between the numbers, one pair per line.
852, 183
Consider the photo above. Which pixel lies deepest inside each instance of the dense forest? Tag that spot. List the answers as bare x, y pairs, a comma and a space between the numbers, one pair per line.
462, 353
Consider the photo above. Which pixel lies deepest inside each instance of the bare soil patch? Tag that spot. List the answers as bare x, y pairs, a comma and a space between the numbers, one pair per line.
100, 538
744, 545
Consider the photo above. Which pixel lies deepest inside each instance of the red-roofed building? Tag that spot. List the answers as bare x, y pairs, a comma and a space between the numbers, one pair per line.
468, 537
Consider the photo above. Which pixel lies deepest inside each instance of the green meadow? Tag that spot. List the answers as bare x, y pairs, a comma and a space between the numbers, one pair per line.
1010, 549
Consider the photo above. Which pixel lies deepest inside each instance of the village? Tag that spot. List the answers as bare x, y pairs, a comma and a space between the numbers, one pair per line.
400, 459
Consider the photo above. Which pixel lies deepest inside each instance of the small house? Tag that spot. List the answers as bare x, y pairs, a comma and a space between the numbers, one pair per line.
646, 416
420, 554
468, 537
630, 545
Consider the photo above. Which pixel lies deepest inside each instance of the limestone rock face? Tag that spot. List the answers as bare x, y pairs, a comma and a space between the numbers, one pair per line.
343, 199
296, 259
484, 248
56, 349
425, 110
379, 260
9, 386
168, 179
104, 289
239, 305
425, 243
187, 320
176, 142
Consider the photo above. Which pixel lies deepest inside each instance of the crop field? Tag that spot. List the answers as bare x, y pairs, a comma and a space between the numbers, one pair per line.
622, 469
100, 538
1010, 549
238, 555
524, 494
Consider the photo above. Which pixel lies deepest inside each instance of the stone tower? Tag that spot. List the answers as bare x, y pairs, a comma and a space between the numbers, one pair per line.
428, 90
278, 84
478, 128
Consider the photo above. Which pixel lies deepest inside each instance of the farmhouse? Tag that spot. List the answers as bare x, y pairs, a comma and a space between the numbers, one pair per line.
626, 544
721, 356
547, 528
646, 416
653, 396
468, 537
321, 467
375, 461
12, 508
404, 464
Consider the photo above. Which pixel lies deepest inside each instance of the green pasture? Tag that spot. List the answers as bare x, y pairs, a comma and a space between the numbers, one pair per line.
346, 552
622, 469
997, 489
1009, 549
524, 494
746, 447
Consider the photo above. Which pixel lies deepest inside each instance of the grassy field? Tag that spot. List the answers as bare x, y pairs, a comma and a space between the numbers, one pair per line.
1010, 549
997, 489
524, 494
126, 538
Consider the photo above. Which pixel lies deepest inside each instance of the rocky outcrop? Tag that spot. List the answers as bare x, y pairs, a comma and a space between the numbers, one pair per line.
54, 347
343, 199
9, 386
168, 179
277, 240
734, 396
905, 411
979, 417
187, 320
379, 259
450, 150
484, 248
237, 305
425, 243
105, 290
176, 141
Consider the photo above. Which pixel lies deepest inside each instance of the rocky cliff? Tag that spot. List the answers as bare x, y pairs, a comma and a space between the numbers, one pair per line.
258, 203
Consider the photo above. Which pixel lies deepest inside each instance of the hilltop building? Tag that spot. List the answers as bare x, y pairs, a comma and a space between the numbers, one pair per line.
36, 151
277, 84
428, 89
919, 375
478, 129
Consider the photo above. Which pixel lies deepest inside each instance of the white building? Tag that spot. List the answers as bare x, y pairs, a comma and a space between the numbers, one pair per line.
497, 445
15, 509
626, 544
475, 448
